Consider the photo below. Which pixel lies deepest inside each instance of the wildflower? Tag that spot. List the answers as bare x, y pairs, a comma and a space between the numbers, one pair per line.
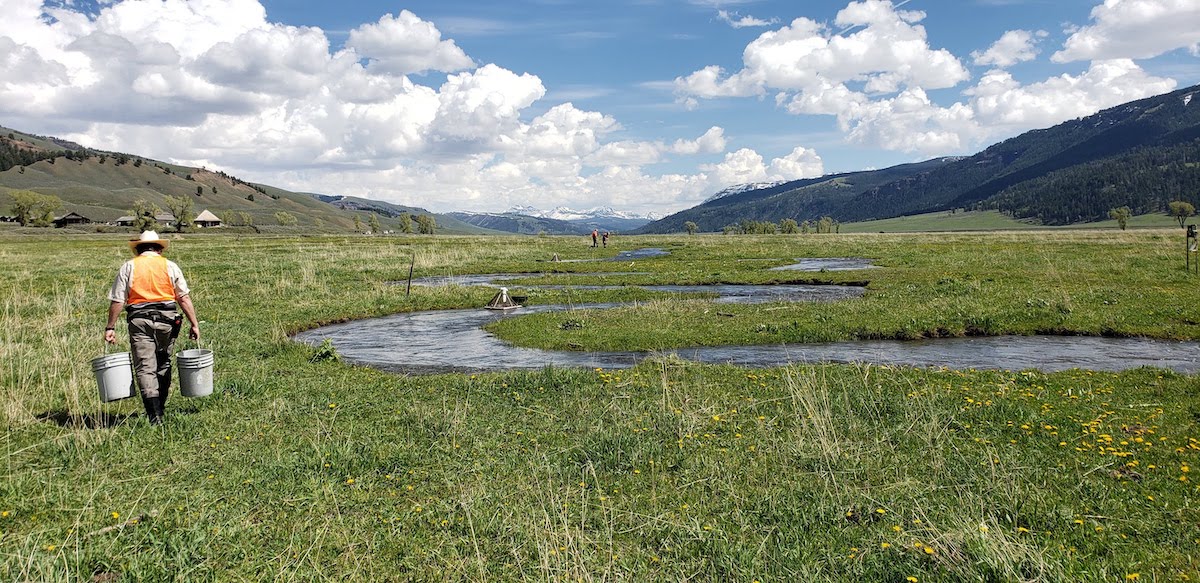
333, 405
911, 579
716, 417
880, 511
349, 481
885, 545
927, 550
5, 514
116, 515
1022, 530
1133, 576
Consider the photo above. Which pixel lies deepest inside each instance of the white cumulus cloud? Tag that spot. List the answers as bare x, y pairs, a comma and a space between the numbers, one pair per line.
999, 100
1014, 46
215, 83
875, 69
888, 50
1134, 29
406, 44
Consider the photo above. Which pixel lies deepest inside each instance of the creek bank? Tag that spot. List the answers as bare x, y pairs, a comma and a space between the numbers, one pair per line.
455, 341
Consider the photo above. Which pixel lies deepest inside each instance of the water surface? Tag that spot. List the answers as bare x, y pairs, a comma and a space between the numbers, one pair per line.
454, 340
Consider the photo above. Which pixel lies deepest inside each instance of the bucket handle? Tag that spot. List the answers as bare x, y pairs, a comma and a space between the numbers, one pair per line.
196, 342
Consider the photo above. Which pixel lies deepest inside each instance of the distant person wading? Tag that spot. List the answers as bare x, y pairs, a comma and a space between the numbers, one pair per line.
151, 290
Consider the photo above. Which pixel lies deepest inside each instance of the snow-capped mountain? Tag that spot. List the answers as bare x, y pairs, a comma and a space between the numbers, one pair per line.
563, 213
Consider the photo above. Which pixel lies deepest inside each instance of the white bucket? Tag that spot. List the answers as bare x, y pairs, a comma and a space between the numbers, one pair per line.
195, 372
114, 376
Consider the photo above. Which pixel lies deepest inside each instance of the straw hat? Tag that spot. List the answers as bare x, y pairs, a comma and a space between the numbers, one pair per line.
148, 237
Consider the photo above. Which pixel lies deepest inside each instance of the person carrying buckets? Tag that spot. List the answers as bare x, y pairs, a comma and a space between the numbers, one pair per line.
152, 291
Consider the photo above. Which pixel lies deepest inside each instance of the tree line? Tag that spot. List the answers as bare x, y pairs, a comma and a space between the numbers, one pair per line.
825, 224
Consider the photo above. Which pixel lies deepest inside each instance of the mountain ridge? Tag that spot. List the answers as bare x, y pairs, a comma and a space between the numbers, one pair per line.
1146, 151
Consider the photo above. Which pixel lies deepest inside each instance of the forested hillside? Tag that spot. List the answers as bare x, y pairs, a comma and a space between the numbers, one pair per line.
803, 200
1142, 154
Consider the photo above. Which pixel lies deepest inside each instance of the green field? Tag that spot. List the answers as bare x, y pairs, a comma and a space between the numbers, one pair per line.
303, 468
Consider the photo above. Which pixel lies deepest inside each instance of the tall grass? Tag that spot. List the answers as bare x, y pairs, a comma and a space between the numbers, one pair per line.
303, 470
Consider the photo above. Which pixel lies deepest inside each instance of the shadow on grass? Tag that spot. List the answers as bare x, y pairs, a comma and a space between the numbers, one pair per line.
64, 418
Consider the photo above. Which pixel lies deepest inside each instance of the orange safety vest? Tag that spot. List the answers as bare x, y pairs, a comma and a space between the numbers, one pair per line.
150, 282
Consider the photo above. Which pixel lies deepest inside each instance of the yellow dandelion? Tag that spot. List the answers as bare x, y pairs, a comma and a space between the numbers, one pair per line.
116, 515
885, 545
1133, 576
716, 417
880, 511
927, 550
911, 579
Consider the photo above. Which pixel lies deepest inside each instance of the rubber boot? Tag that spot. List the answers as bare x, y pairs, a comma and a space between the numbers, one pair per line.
154, 409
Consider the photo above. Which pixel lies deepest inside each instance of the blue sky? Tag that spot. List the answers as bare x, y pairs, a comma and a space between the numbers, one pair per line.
645, 106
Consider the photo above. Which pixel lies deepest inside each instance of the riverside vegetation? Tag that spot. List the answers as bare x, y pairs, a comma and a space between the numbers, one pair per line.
301, 467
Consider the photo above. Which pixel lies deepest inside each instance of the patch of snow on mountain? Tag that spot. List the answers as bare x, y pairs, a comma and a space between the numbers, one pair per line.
740, 188
1187, 99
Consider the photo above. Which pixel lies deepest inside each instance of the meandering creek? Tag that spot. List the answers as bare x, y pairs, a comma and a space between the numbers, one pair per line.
454, 340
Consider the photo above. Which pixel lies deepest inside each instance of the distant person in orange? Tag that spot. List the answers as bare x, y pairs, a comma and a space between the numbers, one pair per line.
152, 291
605, 238
595, 234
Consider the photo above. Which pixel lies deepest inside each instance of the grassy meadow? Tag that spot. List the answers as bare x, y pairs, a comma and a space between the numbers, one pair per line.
303, 468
